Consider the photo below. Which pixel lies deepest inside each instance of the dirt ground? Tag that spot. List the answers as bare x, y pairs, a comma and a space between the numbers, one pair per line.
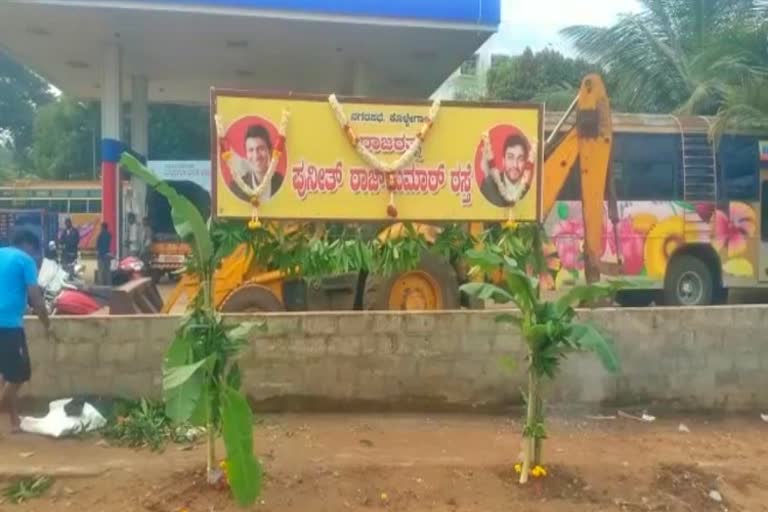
418, 463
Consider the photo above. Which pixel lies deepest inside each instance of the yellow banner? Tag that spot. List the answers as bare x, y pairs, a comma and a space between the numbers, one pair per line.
476, 162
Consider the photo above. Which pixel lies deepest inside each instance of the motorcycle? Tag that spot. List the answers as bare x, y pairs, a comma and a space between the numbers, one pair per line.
66, 294
128, 269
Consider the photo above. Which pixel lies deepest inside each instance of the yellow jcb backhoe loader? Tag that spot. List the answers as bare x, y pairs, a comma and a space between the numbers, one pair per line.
242, 285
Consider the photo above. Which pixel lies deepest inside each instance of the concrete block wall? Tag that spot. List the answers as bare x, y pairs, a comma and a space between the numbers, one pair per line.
710, 358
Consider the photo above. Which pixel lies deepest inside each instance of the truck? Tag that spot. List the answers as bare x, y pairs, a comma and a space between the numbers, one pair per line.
168, 253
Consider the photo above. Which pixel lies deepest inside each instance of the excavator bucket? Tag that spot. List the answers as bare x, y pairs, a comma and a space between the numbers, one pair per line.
136, 297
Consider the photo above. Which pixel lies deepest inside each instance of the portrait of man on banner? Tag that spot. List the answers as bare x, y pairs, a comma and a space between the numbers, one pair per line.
506, 165
247, 155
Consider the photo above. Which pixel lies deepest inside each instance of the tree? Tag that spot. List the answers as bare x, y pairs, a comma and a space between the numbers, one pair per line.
551, 330
179, 132
545, 76
468, 90
663, 58
201, 376
65, 132
21, 93
744, 105
8, 170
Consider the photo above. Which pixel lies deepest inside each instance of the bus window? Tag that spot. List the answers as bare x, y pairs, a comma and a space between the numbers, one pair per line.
59, 205
739, 159
646, 167
94, 206
78, 206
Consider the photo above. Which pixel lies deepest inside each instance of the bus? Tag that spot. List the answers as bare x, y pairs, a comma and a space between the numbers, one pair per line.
55, 196
79, 201
684, 213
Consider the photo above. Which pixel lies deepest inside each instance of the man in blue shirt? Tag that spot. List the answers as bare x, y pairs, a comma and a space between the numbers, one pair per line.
18, 285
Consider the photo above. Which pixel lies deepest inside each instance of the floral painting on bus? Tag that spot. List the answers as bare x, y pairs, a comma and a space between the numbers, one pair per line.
648, 233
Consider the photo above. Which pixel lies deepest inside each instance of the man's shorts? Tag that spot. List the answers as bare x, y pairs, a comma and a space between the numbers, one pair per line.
14, 355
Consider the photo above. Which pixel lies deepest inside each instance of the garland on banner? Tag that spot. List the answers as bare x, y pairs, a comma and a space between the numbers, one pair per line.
389, 169
255, 192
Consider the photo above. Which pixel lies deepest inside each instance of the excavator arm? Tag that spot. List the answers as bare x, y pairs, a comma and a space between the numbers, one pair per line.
589, 142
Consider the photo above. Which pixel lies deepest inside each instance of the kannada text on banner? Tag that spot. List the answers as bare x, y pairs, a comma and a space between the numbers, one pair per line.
320, 175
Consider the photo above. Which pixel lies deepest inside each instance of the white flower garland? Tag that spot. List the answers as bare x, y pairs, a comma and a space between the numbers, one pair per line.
372, 160
277, 152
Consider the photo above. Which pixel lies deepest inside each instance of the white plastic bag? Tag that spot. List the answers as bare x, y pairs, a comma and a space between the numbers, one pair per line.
57, 424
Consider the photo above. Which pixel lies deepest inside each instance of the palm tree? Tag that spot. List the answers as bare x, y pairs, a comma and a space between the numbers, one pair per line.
675, 55
744, 106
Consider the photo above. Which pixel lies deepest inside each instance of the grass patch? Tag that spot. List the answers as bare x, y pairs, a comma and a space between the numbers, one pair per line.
27, 489
144, 424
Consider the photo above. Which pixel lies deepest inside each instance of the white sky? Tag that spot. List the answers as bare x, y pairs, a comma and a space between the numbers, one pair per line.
536, 23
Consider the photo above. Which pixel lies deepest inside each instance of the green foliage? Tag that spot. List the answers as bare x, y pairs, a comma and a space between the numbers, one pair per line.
545, 76
179, 132
243, 470
201, 377
468, 88
535, 431
27, 489
21, 93
550, 329
453, 242
65, 138
314, 251
144, 424
678, 55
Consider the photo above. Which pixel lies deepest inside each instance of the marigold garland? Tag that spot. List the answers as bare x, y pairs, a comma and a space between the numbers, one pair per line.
372, 160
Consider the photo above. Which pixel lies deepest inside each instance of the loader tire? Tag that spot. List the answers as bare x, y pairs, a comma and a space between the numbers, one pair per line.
251, 298
431, 286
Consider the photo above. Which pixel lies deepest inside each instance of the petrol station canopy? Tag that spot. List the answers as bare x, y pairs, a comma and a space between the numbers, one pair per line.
402, 48
143, 51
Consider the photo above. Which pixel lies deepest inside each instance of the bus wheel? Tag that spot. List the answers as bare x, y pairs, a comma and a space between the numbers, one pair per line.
635, 298
251, 298
431, 286
689, 282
